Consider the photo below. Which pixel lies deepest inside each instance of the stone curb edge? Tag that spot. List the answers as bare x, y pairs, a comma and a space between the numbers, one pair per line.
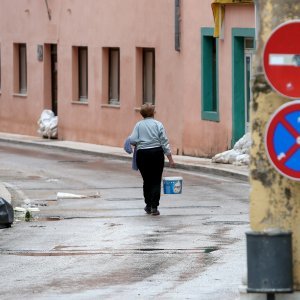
182, 166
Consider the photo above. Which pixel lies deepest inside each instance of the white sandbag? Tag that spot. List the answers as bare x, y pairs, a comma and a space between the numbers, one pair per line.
243, 159
244, 143
239, 155
226, 157
48, 123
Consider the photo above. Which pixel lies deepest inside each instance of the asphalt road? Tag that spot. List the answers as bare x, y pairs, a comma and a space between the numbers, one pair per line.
103, 245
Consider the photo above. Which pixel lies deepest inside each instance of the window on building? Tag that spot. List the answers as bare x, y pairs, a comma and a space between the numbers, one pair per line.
114, 76
0, 68
249, 43
79, 74
20, 69
209, 75
83, 73
149, 76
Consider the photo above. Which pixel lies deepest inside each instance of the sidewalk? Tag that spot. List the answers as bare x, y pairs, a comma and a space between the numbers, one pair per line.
182, 162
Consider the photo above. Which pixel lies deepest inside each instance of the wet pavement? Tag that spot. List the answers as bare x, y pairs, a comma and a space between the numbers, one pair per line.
103, 246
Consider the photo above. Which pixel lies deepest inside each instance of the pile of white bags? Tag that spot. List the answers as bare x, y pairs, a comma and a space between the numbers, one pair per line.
239, 155
48, 124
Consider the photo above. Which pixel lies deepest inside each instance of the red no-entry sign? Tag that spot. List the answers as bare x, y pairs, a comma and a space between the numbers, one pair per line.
281, 59
282, 140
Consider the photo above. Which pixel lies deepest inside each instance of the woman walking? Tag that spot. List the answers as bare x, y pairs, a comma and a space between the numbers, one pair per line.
152, 144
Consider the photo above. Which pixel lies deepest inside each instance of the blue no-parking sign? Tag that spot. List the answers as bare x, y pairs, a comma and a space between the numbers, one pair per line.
282, 140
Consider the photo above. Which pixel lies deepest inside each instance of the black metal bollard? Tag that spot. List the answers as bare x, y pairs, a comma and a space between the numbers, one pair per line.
269, 260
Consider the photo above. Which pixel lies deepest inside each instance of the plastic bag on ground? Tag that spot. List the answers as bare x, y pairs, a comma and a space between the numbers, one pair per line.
239, 155
48, 124
6, 214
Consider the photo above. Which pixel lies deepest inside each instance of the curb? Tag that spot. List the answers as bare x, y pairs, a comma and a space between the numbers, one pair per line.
213, 170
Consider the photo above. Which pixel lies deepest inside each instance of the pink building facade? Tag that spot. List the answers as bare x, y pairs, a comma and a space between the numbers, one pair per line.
95, 62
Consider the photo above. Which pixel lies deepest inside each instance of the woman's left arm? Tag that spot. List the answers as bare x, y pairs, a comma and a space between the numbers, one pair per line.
166, 146
134, 135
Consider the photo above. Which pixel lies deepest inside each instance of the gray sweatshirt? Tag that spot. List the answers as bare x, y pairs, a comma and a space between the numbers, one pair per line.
150, 133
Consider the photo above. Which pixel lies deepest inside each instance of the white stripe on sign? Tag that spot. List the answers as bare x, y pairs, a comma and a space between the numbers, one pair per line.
281, 156
284, 60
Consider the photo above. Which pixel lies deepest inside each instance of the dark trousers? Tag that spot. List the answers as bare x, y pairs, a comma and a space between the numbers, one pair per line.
151, 164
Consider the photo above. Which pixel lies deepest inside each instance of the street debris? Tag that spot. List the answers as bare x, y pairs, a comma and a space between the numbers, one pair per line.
28, 216
6, 214
52, 180
48, 124
61, 195
22, 209
23, 213
26, 212
239, 155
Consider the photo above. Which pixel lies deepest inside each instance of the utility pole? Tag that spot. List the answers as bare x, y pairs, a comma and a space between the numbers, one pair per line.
274, 198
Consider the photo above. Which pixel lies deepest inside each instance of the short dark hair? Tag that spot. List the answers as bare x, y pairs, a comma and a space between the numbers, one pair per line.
147, 110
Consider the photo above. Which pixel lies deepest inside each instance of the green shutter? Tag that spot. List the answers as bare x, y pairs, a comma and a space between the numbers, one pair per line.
238, 79
209, 76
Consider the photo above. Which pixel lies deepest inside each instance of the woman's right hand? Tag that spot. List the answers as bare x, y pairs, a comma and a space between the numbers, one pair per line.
172, 164
171, 161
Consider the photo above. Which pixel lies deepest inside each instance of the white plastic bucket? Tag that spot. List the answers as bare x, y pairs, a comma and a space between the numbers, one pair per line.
172, 185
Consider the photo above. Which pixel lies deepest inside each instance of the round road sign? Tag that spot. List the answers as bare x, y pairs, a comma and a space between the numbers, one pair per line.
282, 140
281, 59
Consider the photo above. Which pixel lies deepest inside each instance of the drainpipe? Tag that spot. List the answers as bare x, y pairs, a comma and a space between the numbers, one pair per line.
274, 198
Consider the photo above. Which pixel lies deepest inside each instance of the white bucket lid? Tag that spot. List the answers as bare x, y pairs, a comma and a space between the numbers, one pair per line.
172, 178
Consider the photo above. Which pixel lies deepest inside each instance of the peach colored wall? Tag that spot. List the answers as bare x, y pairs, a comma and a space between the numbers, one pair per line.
129, 25
115, 25
22, 22
202, 138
